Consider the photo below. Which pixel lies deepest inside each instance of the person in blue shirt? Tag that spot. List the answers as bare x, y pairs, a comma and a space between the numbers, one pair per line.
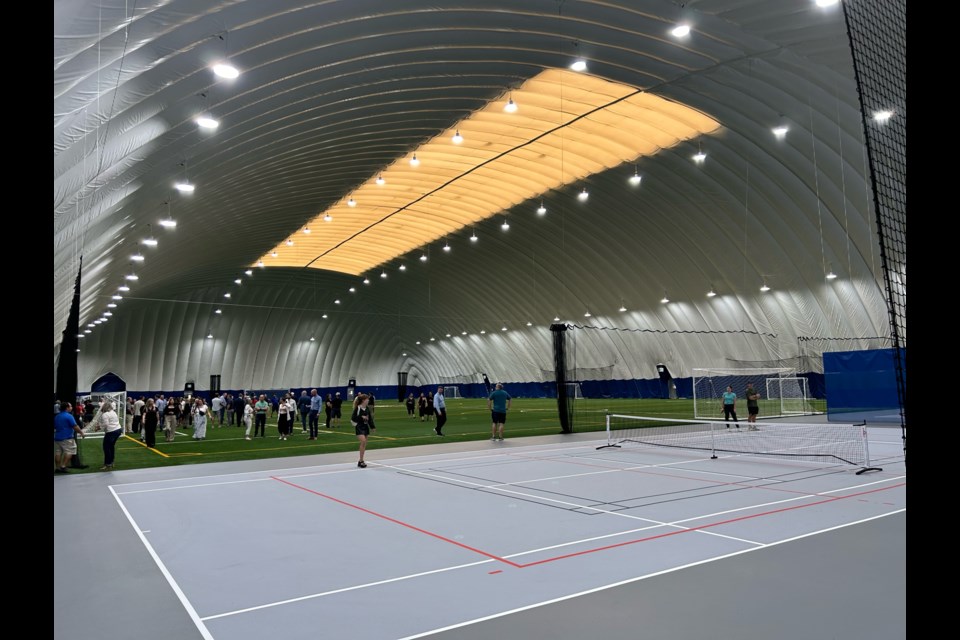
730, 407
314, 413
65, 447
440, 408
303, 405
498, 404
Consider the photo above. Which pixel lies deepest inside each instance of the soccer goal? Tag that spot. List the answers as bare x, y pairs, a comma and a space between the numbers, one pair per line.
786, 392
452, 393
574, 391
119, 401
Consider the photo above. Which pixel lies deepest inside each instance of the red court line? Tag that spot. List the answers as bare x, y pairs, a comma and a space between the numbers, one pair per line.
596, 549
399, 522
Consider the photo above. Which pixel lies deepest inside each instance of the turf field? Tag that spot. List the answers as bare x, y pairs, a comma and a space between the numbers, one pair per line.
468, 419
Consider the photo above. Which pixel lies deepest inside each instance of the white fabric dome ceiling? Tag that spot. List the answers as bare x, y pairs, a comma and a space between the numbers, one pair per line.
331, 93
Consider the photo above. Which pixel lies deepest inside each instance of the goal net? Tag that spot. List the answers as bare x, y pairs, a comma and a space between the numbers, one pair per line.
574, 391
452, 393
119, 401
786, 392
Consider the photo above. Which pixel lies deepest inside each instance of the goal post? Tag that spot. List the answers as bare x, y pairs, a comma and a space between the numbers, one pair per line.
574, 391
782, 391
452, 392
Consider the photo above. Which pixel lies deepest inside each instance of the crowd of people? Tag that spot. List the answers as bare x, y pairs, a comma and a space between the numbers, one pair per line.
145, 416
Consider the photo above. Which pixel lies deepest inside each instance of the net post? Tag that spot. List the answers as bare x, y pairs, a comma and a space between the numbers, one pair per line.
609, 436
866, 451
713, 440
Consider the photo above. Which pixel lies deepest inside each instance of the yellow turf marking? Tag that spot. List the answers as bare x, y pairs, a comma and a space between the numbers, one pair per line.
144, 445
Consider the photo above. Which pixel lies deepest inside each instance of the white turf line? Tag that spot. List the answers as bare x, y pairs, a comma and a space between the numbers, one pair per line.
638, 578
202, 628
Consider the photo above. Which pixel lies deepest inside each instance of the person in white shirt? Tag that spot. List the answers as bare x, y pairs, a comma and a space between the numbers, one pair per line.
109, 422
248, 416
199, 420
138, 415
215, 404
440, 408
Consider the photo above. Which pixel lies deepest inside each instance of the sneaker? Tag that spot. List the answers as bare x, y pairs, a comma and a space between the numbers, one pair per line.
494, 439
500, 439
247, 438
362, 464
61, 470
106, 467
738, 426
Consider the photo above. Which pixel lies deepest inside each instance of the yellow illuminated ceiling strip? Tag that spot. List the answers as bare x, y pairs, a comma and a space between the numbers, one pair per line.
568, 126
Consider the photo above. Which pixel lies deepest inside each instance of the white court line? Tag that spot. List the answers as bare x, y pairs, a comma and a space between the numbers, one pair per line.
637, 579
202, 628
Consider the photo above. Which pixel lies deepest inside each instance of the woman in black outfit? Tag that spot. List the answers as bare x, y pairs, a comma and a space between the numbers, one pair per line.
411, 405
151, 418
363, 423
328, 408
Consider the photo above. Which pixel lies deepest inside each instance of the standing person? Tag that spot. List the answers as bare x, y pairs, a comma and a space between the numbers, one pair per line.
199, 420
217, 405
283, 418
109, 422
498, 404
128, 419
363, 423
151, 418
411, 405
170, 413
431, 411
730, 406
304, 405
335, 409
64, 428
228, 405
315, 403
239, 407
440, 408
260, 416
371, 403
138, 415
328, 409
248, 416
753, 407
422, 406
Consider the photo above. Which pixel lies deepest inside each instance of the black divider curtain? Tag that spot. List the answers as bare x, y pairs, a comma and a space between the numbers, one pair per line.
401, 385
67, 362
565, 404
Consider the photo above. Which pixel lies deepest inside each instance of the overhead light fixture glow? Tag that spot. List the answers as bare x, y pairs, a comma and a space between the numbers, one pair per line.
474, 237
882, 116
137, 257
133, 276
85, 331
337, 301
827, 3
312, 339
184, 187
352, 289
622, 308
457, 138
423, 257
306, 229
206, 122
383, 274
511, 106
209, 335
366, 281
402, 267
711, 293
418, 342
260, 263
404, 354
226, 295
586, 314
327, 217
541, 210
446, 247
578, 65
680, 30
529, 324
414, 161
123, 287
351, 202
635, 178
764, 288
503, 328
218, 311
225, 70
107, 314
463, 333
583, 195
380, 180
781, 131
699, 157
324, 316
168, 223
664, 299
117, 297
482, 332
505, 225
113, 305
150, 242
831, 275
238, 281
556, 318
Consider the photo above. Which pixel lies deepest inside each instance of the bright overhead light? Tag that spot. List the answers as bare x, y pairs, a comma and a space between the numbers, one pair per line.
226, 295
137, 257
433, 339
586, 315
274, 254
107, 314
711, 293
312, 339
882, 116
418, 342
218, 311
414, 161
457, 138
423, 257
209, 335
622, 308
86, 331
404, 354
337, 301
831, 275
98, 321
168, 223
206, 122
150, 242
324, 316
474, 237
635, 179
132, 276
578, 65
383, 274
113, 305
80, 335
699, 156
352, 289
123, 287
529, 324
503, 328
238, 281
327, 217
289, 243
505, 225
463, 333
184, 187
781, 131
511, 106
482, 332
366, 281
306, 229
117, 297
764, 288
260, 263
664, 299
380, 180
402, 267
225, 70
680, 30
583, 195
556, 318
351, 202
541, 210
827, 3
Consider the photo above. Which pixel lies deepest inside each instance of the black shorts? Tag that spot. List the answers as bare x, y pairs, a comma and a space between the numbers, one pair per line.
753, 410
335, 413
498, 417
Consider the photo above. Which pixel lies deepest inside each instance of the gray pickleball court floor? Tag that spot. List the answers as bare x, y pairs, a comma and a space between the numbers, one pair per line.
530, 538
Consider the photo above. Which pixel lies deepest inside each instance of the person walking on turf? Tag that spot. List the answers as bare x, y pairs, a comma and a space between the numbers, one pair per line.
248, 417
151, 420
200, 420
336, 405
440, 409
498, 404
411, 405
109, 422
315, 403
363, 424
64, 428
422, 406
260, 416
303, 404
753, 407
730, 406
